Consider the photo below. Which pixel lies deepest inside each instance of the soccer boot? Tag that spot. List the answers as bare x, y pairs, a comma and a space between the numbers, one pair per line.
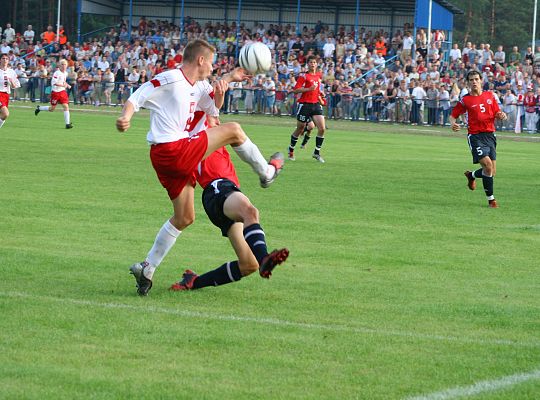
69, 126
269, 262
188, 278
291, 156
143, 283
471, 182
302, 146
37, 111
277, 160
493, 204
318, 158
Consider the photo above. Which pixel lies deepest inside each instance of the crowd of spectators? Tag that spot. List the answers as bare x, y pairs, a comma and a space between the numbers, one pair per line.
378, 77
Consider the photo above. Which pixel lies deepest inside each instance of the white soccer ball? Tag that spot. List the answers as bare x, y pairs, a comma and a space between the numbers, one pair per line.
255, 58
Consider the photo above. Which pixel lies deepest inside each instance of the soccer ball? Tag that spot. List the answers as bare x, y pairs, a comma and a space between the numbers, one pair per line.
255, 58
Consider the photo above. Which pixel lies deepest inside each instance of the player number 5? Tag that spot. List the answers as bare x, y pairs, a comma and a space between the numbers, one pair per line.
479, 151
482, 108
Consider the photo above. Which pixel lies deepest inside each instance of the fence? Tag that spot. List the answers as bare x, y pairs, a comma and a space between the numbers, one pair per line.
372, 108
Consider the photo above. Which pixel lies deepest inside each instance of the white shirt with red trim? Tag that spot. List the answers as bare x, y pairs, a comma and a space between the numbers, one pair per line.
172, 101
8, 80
58, 78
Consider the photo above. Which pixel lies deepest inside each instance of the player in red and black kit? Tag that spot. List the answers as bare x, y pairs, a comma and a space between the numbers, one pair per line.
482, 109
309, 106
231, 211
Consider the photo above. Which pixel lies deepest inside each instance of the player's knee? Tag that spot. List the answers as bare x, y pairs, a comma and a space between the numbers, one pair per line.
4, 113
248, 267
183, 221
320, 131
251, 215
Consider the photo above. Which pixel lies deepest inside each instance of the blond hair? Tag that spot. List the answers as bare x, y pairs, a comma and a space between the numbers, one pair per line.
197, 48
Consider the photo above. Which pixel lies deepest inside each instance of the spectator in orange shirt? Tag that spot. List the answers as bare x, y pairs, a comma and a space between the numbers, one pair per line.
48, 36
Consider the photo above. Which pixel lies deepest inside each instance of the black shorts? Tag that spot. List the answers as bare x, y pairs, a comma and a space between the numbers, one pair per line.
482, 145
213, 198
307, 110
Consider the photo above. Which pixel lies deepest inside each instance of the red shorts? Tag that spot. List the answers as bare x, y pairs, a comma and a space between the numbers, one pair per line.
4, 99
59, 97
176, 162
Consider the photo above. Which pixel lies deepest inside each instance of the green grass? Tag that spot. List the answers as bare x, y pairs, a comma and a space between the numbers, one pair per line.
401, 282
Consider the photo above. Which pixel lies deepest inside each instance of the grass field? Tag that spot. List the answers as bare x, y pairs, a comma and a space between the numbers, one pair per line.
401, 283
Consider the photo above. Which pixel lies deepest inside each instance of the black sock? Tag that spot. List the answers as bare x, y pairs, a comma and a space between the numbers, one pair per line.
294, 139
477, 174
488, 185
318, 144
254, 236
227, 273
306, 139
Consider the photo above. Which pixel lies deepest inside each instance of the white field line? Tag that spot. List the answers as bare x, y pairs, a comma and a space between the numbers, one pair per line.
275, 322
480, 387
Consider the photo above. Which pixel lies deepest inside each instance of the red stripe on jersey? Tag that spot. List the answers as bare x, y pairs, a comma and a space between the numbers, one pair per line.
211, 94
155, 82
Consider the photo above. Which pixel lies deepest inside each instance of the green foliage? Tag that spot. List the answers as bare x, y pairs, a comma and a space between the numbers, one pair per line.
513, 22
400, 280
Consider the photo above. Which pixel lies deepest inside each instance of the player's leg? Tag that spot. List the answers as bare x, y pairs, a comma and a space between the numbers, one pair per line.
67, 117
4, 114
238, 208
300, 126
319, 122
487, 179
233, 134
184, 215
307, 133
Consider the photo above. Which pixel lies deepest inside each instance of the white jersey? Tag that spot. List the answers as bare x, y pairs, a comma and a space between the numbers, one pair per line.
172, 101
58, 78
8, 79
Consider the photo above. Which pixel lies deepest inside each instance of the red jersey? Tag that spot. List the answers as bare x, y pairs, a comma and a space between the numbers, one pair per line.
308, 80
216, 165
530, 103
481, 111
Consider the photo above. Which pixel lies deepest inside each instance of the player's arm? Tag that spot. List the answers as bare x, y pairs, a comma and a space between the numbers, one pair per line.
134, 103
456, 112
498, 113
220, 87
14, 82
236, 75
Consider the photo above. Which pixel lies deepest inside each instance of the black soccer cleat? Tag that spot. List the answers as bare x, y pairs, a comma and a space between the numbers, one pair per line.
188, 278
142, 282
69, 126
269, 262
37, 111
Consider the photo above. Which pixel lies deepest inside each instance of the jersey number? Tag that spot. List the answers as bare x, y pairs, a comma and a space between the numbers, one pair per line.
482, 107
479, 151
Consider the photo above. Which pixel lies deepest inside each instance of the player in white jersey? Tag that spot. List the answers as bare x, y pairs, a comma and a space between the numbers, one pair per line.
8, 81
172, 98
58, 93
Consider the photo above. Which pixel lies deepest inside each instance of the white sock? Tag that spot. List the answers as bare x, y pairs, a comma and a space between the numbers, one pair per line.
2, 122
43, 108
165, 240
66, 117
250, 153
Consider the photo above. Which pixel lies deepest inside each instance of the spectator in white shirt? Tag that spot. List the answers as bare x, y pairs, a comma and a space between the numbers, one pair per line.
455, 53
9, 34
29, 35
500, 56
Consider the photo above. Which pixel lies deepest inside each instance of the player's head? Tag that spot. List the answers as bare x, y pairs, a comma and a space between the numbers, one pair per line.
4, 59
62, 64
199, 53
471, 75
312, 63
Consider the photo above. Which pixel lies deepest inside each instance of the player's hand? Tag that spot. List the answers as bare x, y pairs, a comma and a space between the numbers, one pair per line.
456, 127
239, 75
220, 87
122, 124
502, 116
212, 121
